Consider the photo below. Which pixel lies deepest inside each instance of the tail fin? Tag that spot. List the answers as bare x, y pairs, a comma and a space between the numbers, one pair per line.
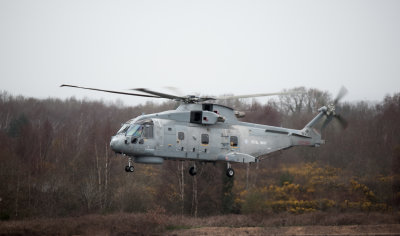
328, 112
324, 112
321, 114
310, 129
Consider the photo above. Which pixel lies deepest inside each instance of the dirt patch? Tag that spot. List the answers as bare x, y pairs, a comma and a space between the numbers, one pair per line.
391, 229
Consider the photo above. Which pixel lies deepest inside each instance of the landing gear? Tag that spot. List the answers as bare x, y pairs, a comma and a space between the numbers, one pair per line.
229, 171
193, 170
129, 167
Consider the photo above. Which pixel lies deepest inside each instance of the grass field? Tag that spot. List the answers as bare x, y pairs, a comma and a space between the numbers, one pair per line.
155, 223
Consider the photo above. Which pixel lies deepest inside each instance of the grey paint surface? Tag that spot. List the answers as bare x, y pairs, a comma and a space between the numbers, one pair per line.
219, 125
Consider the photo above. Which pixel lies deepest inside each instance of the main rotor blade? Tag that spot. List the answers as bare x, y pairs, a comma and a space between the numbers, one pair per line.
175, 90
162, 95
342, 92
204, 99
252, 95
110, 91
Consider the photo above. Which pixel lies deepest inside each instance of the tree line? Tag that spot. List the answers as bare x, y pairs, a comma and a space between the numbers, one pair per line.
55, 160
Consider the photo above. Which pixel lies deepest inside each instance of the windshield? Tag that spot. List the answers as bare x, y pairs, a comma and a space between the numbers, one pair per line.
143, 128
135, 130
123, 129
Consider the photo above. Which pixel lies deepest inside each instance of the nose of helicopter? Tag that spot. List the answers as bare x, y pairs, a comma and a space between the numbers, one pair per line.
115, 144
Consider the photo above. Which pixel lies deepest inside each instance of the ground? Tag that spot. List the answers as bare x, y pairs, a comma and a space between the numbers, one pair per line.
154, 223
392, 229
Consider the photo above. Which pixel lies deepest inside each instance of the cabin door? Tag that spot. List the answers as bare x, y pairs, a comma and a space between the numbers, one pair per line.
181, 141
225, 139
169, 139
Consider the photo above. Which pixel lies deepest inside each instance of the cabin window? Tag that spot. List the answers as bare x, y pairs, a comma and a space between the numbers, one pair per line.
181, 135
234, 141
204, 139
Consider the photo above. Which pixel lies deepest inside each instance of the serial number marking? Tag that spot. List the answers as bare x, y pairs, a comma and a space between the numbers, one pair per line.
304, 142
258, 142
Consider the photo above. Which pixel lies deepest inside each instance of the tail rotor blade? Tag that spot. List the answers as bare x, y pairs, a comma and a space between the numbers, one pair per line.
343, 122
342, 92
326, 122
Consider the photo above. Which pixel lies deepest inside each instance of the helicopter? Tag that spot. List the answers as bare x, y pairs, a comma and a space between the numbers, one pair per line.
199, 130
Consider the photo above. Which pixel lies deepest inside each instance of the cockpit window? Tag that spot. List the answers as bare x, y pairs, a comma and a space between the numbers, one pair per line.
135, 130
141, 128
123, 129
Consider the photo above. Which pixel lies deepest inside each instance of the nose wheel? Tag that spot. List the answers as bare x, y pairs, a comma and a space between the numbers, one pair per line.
129, 167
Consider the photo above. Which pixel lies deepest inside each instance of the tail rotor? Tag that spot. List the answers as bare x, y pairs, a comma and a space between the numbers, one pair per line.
331, 110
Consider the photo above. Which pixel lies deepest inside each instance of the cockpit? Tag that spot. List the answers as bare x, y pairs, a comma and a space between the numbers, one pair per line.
139, 129
134, 137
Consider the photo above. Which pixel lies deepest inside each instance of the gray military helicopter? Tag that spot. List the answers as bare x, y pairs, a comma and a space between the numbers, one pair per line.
208, 132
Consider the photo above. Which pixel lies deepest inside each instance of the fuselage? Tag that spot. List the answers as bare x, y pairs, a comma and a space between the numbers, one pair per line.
204, 132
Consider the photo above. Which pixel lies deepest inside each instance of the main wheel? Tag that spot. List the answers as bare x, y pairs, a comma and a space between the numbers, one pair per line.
127, 168
131, 168
230, 172
192, 171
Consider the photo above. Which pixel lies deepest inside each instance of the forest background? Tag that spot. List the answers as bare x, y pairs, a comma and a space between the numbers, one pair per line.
55, 161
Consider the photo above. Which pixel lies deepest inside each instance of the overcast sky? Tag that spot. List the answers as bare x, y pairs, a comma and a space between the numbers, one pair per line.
209, 47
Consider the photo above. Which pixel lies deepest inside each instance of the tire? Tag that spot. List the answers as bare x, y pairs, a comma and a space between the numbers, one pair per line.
131, 168
230, 172
192, 171
127, 168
